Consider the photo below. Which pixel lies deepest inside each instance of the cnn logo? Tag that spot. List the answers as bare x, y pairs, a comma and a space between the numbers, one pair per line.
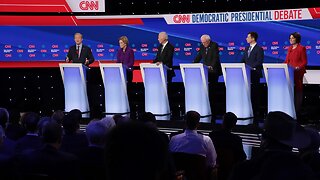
89, 5
181, 19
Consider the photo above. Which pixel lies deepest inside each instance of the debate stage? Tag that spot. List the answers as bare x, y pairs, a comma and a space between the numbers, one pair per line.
39, 87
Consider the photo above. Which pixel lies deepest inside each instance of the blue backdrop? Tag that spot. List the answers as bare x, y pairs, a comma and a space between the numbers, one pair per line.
34, 43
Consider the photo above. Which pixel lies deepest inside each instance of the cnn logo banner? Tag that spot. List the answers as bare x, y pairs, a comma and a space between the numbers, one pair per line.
87, 5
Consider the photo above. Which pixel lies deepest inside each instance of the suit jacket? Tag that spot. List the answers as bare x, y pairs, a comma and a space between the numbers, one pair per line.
93, 163
210, 58
226, 140
6, 166
7, 147
28, 142
166, 57
74, 143
85, 53
50, 161
255, 59
297, 57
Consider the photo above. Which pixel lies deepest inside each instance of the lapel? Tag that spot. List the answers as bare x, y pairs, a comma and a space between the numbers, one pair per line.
208, 52
163, 51
81, 51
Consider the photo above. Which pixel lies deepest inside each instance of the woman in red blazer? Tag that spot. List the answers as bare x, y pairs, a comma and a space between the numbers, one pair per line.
297, 58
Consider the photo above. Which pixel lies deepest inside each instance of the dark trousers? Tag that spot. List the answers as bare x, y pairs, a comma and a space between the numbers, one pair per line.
298, 90
129, 76
213, 83
255, 92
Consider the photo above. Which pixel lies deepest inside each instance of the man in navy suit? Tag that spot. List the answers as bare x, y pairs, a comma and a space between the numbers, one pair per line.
253, 57
79, 53
48, 161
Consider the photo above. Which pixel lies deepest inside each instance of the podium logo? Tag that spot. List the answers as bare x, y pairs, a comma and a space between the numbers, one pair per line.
89, 5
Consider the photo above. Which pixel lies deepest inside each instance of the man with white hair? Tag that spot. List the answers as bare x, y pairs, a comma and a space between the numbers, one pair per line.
209, 53
165, 54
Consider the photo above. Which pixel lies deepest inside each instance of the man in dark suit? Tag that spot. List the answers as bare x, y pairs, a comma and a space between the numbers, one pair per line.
165, 54
31, 140
49, 160
253, 57
79, 53
74, 141
92, 159
209, 53
228, 146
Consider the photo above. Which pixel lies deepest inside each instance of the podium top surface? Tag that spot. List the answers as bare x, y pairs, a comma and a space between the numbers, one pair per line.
192, 65
152, 65
233, 65
119, 65
77, 65
275, 65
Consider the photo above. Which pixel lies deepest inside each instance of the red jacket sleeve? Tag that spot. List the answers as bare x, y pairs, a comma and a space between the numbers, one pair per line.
287, 58
303, 61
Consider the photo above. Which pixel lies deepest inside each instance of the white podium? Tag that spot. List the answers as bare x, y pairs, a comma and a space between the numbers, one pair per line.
75, 87
280, 81
238, 91
195, 79
115, 89
155, 86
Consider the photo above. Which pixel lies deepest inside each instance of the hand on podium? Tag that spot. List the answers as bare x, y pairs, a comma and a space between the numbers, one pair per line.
86, 62
158, 63
67, 59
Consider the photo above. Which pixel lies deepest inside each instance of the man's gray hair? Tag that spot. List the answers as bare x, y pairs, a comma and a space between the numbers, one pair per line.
164, 34
96, 132
78, 34
206, 36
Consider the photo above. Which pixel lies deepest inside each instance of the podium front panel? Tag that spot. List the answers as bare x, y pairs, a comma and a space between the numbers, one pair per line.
114, 80
196, 90
156, 97
75, 88
238, 91
280, 90
279, 96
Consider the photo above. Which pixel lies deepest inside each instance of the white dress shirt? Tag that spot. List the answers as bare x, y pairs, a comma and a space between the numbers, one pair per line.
193, 143
164, 45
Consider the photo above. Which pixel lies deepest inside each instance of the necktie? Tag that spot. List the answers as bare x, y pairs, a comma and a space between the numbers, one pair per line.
207, 50
249, 51
78, 50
